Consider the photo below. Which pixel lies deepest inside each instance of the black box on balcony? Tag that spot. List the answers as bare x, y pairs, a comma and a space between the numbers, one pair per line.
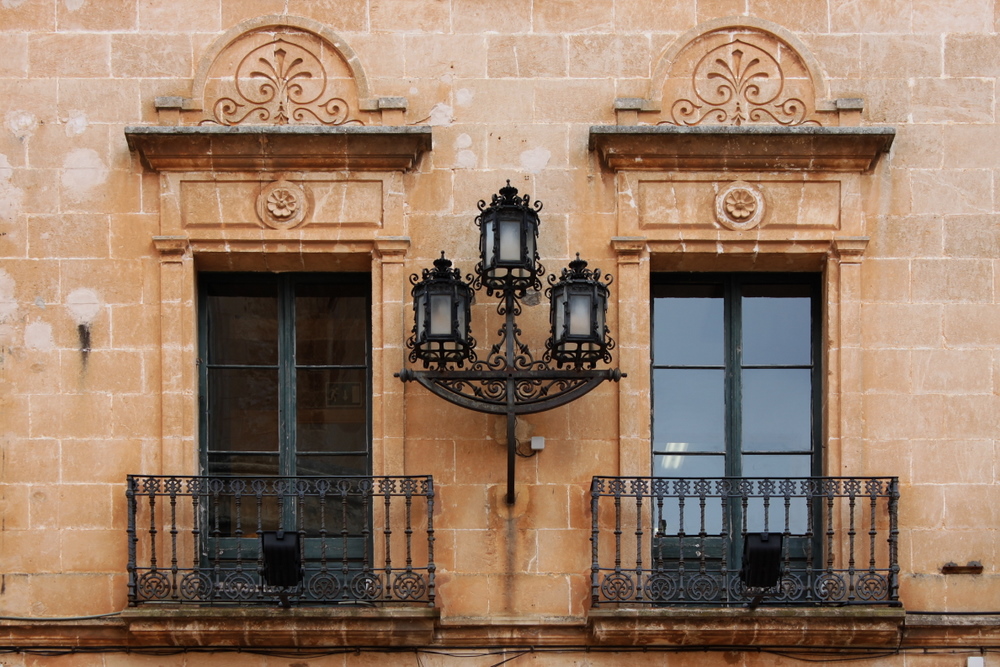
761, 560
282, 558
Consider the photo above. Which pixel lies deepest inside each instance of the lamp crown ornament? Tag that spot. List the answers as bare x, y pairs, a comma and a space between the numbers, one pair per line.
510, 381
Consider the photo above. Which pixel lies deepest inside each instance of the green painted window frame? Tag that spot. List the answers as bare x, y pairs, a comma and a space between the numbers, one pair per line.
286, 286
733, 286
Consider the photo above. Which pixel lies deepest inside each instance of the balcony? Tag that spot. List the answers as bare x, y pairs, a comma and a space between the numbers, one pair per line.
365, 541
660, 542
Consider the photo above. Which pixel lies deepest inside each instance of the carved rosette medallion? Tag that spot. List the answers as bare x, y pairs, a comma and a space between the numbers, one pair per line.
739, 206
280, 83
282, 204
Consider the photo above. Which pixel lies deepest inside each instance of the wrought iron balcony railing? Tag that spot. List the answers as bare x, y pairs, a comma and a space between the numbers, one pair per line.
199, 540
659, 541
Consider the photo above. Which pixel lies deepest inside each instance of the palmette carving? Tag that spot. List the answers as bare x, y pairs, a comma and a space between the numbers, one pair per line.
738, 76
281, 83
738, 83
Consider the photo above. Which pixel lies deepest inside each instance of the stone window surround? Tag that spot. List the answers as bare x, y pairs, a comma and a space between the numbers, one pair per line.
687, 163
218, 166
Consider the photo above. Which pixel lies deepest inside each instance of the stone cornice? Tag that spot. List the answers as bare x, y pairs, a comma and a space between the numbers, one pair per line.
278, 148
742, 148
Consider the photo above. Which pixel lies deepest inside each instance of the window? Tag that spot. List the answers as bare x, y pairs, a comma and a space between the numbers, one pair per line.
285, 374
285, 386
735, 375
735, 395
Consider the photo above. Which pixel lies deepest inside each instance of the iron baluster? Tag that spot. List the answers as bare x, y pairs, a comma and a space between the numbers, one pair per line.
638, 534
172, 486
133, 538
595, 566
872, 533
431, 569
893, 539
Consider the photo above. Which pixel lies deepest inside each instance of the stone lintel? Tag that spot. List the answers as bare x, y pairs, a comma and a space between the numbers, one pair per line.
278, 148
740, 148
844, 627
511, 631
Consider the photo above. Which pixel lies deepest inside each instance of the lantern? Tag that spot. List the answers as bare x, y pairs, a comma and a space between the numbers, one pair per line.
579, 303
508, 229
442, 303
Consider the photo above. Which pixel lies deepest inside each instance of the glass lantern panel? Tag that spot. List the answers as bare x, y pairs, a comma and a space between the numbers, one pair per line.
463, 309
579, 314
440, 315
510, 241
489, 241
558, 314
420, 309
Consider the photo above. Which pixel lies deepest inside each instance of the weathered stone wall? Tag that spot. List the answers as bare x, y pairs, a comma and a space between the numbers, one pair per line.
97, 346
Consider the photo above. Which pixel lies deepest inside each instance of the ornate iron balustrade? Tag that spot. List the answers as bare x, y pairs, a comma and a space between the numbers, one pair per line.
198, 540
659, 541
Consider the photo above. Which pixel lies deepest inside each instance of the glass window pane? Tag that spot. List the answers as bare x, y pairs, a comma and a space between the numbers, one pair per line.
777, 331
332, 409
672, 465
248, 464
331, 325
242, 324
688, 331
243, 409
689, 410
777, 410
333, 466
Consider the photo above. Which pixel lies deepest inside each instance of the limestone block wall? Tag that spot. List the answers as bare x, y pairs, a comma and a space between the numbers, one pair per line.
89, 392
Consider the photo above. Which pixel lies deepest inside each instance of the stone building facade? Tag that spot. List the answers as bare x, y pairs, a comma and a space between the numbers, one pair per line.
210, 213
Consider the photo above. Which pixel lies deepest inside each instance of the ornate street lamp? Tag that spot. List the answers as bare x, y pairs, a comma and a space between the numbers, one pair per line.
441, 307
509, 381
579, 304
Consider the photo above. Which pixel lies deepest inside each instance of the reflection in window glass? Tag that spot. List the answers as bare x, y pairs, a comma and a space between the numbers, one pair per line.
689, 410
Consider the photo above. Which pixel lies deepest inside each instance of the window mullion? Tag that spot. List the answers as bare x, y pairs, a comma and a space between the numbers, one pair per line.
286, 376
734, 377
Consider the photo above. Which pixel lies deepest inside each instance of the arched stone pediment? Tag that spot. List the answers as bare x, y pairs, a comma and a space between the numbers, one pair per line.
280, 70
739, 71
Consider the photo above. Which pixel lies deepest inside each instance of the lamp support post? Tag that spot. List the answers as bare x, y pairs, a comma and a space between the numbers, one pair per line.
509, 381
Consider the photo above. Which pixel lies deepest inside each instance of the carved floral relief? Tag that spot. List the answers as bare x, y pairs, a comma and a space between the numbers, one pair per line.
738, 77
739, 206
282, 204
280, 78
